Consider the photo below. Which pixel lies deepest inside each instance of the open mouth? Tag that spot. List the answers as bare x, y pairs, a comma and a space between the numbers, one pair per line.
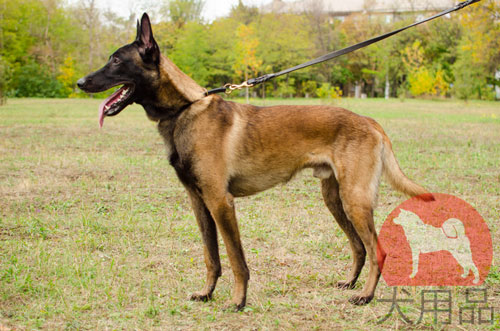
116, 102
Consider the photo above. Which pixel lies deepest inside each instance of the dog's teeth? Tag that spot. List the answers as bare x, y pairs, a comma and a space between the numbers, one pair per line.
106, 107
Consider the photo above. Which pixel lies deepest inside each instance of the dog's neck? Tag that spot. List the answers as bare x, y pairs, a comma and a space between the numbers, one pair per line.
175, 92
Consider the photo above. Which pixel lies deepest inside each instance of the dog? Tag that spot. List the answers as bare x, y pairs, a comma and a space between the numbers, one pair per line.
221, 150
425, 238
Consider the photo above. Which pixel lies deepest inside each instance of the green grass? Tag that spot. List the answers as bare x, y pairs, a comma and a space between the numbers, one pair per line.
96, 231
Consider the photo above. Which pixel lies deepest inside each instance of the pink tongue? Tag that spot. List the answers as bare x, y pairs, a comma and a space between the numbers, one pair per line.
109, 101
101, 112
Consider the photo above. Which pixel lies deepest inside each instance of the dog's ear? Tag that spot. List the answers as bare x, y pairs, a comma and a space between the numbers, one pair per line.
137, 37
148, 48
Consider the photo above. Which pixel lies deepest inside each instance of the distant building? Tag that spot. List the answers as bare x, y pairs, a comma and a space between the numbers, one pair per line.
342, 8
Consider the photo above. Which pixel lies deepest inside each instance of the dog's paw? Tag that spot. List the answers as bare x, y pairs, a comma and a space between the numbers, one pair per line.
233, 307
344, 285
360, 300
200, 296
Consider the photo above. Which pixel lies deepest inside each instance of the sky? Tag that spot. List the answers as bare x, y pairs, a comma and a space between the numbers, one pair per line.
212, 9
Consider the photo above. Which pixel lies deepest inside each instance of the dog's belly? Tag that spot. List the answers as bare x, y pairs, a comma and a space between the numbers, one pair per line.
253, 177
241, 185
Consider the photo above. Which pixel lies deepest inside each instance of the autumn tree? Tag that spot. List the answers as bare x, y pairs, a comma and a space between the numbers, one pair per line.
478, 52
246, 60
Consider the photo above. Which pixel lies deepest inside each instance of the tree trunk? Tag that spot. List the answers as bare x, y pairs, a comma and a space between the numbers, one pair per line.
357, 90
387, 91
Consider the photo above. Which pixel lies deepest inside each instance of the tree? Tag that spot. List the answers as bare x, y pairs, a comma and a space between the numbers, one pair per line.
363, 64
244, 14
35, 80
478, 55
35, 37
67, 76
48, 44
287, 43
88, 15
422, 79
3, 81
245, 49
222, 39
182, 11
191, 52
326, 37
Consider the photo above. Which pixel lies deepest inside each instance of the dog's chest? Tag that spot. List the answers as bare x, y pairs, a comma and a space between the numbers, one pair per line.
181, 163
184, 169
169, 147
166, 130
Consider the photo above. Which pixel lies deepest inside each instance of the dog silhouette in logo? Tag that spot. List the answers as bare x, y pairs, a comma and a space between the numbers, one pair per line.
425, 238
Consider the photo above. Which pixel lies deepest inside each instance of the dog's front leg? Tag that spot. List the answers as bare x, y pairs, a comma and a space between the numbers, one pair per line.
210, 246
221, 207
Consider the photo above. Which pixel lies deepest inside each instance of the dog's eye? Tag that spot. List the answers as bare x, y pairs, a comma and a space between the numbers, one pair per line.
115, 60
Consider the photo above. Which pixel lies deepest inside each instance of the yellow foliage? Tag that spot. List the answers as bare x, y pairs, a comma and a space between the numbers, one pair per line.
424, 82
326, 91
336, 93
67, 74
421, 81
246, 48
482, 31
413, 56
440, 85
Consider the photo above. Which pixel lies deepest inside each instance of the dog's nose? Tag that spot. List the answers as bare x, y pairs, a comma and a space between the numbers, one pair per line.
81, 82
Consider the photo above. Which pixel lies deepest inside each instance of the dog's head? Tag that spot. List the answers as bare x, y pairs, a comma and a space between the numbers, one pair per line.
133, 66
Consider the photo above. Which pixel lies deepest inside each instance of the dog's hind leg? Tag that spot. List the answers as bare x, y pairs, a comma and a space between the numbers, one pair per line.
360, 213
330, 191
358, 185
210, 246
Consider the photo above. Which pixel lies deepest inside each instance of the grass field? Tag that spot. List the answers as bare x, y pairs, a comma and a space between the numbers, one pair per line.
96, 232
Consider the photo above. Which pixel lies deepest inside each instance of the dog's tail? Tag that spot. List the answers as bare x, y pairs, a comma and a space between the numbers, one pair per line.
397, 178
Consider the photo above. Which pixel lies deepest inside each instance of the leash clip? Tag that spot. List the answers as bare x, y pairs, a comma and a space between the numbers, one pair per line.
231, 87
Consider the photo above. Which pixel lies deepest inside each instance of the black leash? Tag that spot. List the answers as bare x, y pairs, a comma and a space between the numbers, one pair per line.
228, 88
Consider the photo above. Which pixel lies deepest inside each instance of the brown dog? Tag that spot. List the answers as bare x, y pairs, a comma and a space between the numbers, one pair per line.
221, 150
